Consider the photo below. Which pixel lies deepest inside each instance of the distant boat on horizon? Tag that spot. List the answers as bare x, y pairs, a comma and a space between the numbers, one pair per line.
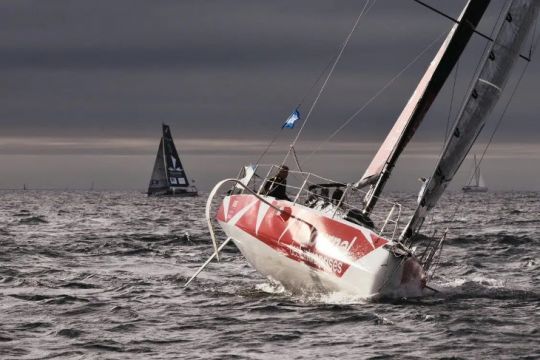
169, 177
479, 185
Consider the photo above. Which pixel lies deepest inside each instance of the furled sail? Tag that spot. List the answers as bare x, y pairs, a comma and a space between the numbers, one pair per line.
422, 99
496, 65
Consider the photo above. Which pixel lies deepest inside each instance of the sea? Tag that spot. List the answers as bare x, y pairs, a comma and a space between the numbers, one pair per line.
100, 275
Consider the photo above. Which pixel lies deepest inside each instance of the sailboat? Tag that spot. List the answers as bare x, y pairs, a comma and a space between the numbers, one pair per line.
479, 185
359, 245
169, 177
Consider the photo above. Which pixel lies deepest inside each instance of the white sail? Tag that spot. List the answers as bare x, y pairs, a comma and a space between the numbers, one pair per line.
425, 93
495, 69
481, 182
476, 172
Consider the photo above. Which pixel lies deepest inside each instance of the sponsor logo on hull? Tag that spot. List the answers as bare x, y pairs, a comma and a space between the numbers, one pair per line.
300, 233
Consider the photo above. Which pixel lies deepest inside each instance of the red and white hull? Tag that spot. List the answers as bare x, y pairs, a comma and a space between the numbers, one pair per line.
308, 252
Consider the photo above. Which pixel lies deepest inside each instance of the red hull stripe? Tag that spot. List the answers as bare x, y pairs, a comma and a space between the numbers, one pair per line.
307, 236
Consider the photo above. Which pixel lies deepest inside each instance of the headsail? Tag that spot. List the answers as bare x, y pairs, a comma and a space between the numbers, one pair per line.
158, 181
495, 69
422, 99
480, 180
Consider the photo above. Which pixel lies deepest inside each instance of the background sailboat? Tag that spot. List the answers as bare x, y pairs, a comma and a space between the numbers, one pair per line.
169, 177
476, 182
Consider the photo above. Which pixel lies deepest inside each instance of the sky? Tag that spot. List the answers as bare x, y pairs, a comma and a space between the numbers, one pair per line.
85, 86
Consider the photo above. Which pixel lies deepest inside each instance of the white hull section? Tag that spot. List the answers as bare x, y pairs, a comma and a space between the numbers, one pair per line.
318, 262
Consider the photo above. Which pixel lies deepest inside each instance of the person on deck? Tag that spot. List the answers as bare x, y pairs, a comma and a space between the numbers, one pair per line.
277, 185
336, 196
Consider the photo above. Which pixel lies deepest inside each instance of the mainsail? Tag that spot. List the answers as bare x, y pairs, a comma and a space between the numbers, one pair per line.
421, 100
168, 173
495, 68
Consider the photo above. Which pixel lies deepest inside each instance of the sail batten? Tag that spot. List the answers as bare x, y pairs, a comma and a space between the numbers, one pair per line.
495, 69
423, 97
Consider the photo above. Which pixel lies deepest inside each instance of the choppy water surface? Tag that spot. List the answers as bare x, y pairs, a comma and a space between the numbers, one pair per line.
100, 275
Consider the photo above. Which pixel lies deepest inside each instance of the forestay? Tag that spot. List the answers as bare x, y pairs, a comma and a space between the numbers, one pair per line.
422, 99
486, 90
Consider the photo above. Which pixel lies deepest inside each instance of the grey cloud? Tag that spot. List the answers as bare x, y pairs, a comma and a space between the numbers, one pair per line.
223, 69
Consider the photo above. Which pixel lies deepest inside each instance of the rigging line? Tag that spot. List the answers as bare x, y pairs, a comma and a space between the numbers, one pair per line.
268, 146
316, 81
374, 97
321, 90
276, 135
330, 62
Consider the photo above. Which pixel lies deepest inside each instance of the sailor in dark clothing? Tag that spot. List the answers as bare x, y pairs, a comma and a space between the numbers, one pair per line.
277, 185
336, 196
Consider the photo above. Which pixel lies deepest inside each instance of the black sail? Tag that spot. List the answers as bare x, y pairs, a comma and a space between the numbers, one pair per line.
176, 174
169, 176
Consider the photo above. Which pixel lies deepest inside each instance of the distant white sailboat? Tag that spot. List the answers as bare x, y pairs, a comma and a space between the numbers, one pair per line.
479, 185
169, 177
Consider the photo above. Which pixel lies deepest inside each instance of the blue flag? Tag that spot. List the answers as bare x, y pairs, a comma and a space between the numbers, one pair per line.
289, 123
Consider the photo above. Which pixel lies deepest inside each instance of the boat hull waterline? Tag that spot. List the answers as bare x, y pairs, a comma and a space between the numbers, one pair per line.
474, 189
310, 253
175, 193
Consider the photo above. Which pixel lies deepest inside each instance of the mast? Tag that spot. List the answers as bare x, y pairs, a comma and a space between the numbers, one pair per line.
425, 93
496, 65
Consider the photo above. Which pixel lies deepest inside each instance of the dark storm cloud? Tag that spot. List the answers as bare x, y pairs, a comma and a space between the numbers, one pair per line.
215, 68
226, 68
